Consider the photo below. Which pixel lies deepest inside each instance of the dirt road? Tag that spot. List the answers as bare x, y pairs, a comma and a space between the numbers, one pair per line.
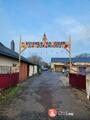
43, 92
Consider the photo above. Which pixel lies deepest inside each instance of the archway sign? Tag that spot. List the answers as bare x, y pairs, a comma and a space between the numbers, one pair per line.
46, 44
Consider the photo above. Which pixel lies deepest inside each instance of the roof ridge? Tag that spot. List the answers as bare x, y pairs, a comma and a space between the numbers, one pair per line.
2, 44
8, 48
13, 54
73, 59
68, 57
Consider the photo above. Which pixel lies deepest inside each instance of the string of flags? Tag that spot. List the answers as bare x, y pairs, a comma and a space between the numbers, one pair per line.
44, 44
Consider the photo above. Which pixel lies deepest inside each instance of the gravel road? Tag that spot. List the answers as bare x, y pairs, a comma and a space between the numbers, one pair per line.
45, 91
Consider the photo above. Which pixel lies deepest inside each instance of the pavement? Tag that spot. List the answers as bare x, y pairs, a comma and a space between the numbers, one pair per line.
45, 91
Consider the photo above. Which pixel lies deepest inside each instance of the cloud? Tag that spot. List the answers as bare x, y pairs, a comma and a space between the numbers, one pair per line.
74, 27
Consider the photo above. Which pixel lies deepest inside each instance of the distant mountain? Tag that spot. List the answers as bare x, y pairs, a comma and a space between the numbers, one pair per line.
83, 55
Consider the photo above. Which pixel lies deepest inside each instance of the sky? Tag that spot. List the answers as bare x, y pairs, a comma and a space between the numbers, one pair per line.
57, 18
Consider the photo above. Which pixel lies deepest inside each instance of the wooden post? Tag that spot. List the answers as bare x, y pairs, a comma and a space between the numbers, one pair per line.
19, 56
70, 54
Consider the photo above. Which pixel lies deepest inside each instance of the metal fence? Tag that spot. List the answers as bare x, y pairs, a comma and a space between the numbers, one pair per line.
9, 76
77, 80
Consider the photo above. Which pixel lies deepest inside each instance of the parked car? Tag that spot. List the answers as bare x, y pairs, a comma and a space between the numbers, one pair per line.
44, 69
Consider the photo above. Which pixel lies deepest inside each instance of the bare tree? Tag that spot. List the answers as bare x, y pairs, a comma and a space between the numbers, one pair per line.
38, 60
45, 64
83, 55
35, 59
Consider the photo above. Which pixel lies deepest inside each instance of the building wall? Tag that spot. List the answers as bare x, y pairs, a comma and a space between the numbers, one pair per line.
31, 70
9, 74
58, 68
82, 63
35, 69
8, 65
54, 66
6, 61
88, 69
74, 69
24, 71
88, 85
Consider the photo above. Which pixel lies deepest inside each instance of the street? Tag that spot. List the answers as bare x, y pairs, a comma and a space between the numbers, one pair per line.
45, 91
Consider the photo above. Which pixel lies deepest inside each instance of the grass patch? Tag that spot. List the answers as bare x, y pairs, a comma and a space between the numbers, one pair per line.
9, 93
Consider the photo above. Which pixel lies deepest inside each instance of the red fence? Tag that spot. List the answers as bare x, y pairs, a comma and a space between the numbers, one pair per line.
77, 81
8, 80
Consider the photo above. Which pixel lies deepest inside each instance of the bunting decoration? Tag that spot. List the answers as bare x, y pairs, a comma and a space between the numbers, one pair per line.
44, 44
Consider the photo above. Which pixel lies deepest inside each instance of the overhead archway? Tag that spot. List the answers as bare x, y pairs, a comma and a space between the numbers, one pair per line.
46, 44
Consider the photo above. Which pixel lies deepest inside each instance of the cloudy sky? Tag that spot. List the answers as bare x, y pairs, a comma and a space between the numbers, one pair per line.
57, 18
